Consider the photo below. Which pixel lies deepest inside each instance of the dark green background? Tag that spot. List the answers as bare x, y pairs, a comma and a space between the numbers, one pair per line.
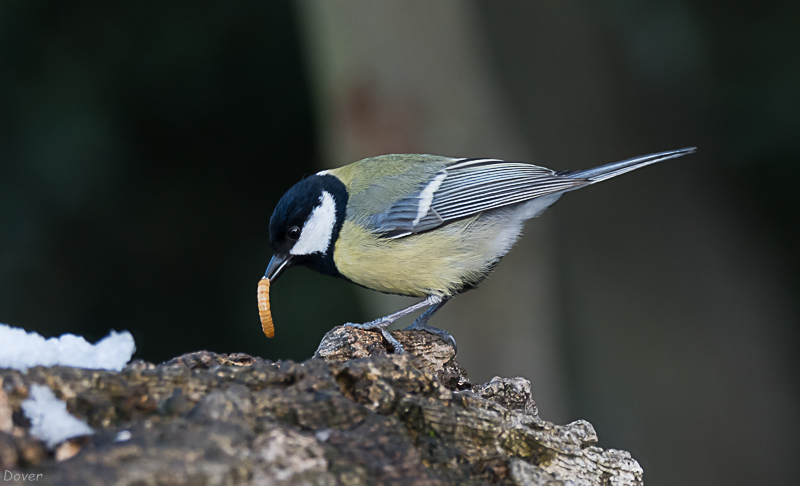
142, 149
144, 145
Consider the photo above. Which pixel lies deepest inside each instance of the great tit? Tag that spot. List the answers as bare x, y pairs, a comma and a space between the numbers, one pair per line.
419, 225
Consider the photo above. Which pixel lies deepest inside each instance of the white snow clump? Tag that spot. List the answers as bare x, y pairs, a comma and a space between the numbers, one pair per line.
49, 418
21, 350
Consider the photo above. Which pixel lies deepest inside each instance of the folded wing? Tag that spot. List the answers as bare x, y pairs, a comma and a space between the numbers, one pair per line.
467, 187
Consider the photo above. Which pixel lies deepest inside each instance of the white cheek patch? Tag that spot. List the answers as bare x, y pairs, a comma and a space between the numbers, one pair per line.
318, 228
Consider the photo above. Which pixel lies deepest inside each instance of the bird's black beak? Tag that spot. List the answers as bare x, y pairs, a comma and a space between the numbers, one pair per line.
277, 265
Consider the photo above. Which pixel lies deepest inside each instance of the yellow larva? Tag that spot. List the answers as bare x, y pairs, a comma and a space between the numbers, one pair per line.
263, 308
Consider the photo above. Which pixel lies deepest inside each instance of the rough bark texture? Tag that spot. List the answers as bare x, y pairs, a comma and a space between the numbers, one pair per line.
351, 415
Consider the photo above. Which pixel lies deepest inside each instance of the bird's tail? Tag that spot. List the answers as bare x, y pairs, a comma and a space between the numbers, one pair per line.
614, 169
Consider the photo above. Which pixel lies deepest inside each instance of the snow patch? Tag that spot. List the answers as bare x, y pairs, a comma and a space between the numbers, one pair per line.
49, 418
21, 350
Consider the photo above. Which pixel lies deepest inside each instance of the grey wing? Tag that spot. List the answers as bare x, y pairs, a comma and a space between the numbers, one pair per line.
467, 187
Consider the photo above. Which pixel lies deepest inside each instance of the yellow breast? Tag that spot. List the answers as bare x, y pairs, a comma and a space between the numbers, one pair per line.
433, 263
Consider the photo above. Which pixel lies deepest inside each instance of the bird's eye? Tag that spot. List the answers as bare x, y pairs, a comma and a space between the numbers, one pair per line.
293, 233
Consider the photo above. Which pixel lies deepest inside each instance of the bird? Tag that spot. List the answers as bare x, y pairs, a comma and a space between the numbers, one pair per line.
417, 225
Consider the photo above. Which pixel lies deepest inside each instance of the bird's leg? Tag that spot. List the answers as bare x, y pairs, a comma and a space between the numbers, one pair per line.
383, 322
421, 324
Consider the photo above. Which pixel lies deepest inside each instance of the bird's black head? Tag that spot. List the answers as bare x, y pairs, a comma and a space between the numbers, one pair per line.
306, 224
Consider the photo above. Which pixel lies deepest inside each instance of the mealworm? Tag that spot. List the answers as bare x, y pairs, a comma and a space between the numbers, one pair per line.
263, 308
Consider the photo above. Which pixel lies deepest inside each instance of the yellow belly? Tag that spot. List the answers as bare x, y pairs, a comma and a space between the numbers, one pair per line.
440, 262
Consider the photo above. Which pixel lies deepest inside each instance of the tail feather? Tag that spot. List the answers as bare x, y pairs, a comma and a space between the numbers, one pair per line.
616, 168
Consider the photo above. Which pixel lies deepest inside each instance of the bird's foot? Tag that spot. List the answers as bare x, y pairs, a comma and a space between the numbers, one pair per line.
379, 325
423, 326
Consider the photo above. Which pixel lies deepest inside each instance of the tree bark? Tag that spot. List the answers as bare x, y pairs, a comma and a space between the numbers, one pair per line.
355, 414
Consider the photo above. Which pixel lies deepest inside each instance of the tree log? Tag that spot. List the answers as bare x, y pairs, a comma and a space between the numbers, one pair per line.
354, 414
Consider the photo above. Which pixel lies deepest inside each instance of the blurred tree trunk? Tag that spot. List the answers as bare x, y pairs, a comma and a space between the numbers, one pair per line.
663, 293
413, 77
669, 296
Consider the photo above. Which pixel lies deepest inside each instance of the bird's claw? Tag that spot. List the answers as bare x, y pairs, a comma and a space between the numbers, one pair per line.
449, 339
446, 336
376, 326
396, 346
